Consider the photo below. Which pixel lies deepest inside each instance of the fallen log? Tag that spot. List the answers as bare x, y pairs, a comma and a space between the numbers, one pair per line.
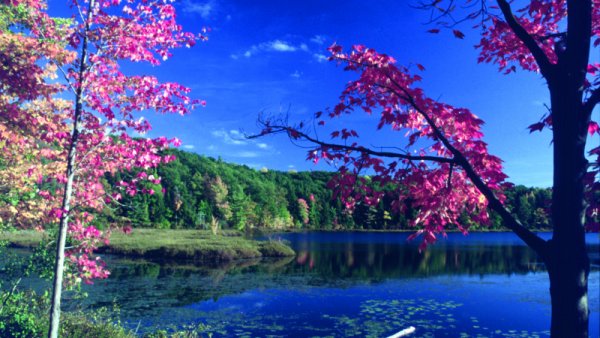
403, 333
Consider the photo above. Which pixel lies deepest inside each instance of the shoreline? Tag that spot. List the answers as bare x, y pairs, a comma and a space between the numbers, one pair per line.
295, 230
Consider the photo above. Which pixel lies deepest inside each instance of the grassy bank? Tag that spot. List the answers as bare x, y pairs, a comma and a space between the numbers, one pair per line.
157, 244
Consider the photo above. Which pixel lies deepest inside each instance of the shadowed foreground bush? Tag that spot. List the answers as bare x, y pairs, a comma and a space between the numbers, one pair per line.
25, 315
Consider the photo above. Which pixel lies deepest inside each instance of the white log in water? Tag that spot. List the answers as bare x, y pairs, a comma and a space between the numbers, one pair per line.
403, 333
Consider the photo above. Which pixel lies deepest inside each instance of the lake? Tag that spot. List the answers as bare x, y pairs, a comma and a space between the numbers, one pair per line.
343, 284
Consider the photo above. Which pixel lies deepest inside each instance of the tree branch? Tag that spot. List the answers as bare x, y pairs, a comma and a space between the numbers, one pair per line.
530, 238
275, 129
12, 291
591, 102
546, 68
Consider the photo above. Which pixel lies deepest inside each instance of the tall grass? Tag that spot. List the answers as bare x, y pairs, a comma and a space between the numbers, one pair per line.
165, 244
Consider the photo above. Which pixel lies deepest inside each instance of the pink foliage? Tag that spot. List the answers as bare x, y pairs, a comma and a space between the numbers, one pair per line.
541, 19
138, 31
304, 208
440, 192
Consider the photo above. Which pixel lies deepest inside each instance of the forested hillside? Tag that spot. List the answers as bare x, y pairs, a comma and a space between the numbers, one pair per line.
198, 191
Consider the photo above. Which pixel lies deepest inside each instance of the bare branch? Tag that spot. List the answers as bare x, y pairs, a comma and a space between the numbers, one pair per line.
540, 57
276, 129
66, 77
437, 12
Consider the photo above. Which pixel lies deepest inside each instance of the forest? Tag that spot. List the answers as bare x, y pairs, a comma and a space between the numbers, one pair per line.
196, 191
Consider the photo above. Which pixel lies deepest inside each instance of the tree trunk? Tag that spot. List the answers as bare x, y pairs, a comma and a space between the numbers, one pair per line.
60, 246
569, 292
64, 218
566, 257
70, 174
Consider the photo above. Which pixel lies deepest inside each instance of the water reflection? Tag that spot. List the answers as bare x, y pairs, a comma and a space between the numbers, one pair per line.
320, 261
366, 261
348, 277
381, 256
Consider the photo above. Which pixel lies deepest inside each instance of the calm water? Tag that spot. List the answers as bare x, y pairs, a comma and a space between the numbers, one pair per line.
350, 284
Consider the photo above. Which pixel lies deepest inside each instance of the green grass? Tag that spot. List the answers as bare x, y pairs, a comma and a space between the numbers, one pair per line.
22, 238
197, 245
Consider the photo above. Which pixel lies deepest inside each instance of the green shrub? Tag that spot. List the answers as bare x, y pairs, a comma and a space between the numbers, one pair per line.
23, 314
93, 324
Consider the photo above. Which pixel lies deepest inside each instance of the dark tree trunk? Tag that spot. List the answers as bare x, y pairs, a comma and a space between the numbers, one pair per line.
566, 257
568, 291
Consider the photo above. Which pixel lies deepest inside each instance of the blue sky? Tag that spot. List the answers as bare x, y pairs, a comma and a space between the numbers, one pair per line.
269, 56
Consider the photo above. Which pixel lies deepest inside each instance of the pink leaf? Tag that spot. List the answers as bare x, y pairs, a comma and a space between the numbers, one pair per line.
593, 128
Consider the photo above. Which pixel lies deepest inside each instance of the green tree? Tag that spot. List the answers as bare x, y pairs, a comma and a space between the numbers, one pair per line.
217, 192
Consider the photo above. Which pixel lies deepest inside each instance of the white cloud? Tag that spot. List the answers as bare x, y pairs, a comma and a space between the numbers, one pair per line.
320, 57
318, 39
232, 137
296, 74
280, 46
188, 146
272, 46
204, 9
235, 137
246, 154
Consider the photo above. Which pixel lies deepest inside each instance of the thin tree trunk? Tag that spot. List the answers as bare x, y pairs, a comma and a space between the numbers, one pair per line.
62, 236
66, 202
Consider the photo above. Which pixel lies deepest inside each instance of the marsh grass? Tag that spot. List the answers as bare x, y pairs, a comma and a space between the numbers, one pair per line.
23, 238
166, 244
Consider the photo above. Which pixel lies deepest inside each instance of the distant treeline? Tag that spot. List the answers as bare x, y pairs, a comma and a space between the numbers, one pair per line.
200, 192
